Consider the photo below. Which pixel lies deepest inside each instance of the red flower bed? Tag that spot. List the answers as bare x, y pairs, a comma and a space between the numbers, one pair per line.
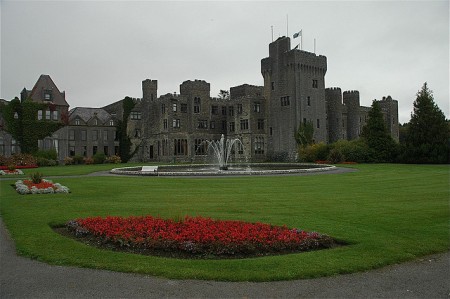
19, 167
42, 185
198, 236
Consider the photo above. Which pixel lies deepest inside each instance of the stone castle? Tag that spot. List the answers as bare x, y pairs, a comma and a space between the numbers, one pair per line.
173, 127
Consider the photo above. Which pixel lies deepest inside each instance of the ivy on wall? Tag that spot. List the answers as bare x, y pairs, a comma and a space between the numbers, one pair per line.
122, 126
22, 123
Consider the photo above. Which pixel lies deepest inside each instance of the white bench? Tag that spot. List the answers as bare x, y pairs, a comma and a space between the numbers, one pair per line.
149, 169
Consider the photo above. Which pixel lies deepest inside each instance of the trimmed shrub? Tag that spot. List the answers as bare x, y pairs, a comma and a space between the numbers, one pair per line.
77, 159
353, 151
114, 159
314, 152
88, 160
50, 154
99, 158
68, 161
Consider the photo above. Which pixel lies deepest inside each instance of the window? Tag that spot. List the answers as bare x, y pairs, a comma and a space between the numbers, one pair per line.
318, 123
272, 85
180, 147
184, 108
55, 115
95, 122
212, 124
231, 111
257, 107
95, 135
285, 101
83, 135
309, 100
135, 115
244, 124
111, 123
202, 124
84, 151
105, 135
174, 107
39, 114
270, 131
71, 151
94, 149
175, 123
224, 125
224, 110
259, 145
77, 122
261, 124
13, 146
165, 124
163, 108
232, 126
239, 108
200, 146
106, 150
197, 106
47, 114
47, 95
315, 84
71, 134
214, 110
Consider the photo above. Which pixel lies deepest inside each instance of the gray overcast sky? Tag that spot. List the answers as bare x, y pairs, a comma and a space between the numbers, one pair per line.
100, 51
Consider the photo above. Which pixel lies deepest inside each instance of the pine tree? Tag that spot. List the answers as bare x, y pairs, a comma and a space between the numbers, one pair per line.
427, 139
375, 134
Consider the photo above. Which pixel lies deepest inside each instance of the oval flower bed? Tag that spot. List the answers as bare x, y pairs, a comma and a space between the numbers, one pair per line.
11, 172
44, 187
195, 237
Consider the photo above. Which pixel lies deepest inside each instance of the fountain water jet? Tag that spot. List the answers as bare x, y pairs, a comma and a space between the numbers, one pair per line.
223, 149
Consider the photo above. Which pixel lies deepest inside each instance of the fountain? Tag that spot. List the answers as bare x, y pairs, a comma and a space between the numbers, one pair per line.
223, 150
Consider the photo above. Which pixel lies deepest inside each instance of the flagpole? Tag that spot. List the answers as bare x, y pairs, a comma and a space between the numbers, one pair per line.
272, 32
314, 46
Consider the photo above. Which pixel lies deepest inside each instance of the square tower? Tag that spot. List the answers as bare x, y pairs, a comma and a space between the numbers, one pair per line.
294, 86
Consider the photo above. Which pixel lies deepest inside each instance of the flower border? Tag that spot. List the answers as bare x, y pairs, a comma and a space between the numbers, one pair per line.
15, 172
22, 188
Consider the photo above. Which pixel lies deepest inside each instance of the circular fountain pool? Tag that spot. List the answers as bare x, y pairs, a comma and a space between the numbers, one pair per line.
233, 169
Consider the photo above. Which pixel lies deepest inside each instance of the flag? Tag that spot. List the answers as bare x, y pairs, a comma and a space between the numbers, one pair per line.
297, 34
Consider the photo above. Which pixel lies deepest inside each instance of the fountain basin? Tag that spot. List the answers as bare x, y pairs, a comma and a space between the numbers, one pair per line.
232, 169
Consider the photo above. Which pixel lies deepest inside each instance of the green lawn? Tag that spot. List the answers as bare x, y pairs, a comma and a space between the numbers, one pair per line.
388, 214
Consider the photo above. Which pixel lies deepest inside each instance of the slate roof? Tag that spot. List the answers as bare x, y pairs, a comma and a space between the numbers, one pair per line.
85, 114
43, 84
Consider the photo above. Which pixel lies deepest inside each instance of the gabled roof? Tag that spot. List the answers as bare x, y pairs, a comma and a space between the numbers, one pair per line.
86, 114
44, 85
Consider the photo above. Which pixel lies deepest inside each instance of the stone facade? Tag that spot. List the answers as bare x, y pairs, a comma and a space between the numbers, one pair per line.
175, 127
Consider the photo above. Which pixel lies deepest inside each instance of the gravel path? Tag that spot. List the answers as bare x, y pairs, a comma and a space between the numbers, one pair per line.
428, 277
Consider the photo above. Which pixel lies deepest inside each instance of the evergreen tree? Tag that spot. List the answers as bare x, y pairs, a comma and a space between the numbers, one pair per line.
375, 134
427, 139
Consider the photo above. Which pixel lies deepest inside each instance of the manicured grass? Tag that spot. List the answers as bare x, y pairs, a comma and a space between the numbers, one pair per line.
388, 214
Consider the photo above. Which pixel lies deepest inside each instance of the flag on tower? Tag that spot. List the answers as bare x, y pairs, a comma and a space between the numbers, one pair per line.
298, 34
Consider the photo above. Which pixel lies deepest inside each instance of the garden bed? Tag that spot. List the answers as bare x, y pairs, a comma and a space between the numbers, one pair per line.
193, 237
44, 187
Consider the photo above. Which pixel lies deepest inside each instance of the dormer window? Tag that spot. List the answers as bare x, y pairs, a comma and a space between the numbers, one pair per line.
48, 95
111, 123
77, 122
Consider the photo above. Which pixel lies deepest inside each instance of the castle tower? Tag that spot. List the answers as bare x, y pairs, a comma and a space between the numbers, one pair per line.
389, 108
150, 89
294, 86
351, 102
333, 97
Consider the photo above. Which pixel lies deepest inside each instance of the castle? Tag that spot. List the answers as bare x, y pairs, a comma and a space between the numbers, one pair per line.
173, 127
